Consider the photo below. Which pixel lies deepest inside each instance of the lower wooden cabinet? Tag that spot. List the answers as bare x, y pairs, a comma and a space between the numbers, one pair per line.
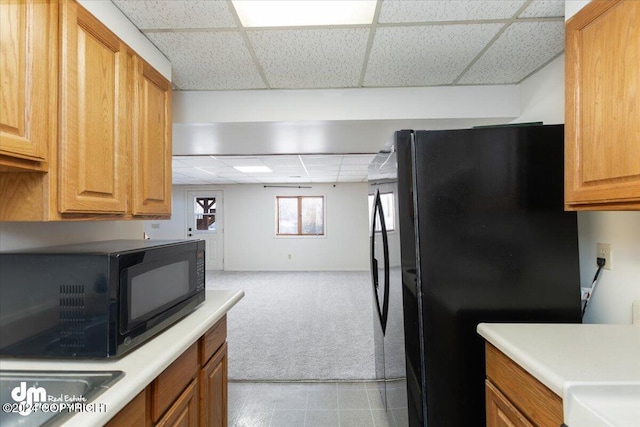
500, 411
134, 414
515, 398
213, 390
167, 388
192, 391
184, 411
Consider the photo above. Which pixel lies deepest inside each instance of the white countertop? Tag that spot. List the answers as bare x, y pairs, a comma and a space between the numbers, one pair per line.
595, 369
559, 353
142, 365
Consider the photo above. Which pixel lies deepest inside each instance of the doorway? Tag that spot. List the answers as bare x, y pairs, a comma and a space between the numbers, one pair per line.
205, 221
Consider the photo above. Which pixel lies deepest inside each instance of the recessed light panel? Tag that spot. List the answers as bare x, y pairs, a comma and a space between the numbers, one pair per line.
290, 13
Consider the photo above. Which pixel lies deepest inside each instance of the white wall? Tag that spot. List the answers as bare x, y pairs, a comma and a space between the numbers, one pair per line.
619, 287
250, 243
541, 95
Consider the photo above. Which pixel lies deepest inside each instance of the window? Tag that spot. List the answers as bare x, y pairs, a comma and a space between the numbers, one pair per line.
388, 208
205, 213
300, 215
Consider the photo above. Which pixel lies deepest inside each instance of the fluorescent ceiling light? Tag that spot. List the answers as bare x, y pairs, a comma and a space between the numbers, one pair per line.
253, 169
290, 13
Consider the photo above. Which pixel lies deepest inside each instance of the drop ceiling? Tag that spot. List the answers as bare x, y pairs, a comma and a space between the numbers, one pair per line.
285, 169
409, 44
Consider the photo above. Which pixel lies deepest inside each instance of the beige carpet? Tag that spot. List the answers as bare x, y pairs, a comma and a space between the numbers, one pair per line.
299, 325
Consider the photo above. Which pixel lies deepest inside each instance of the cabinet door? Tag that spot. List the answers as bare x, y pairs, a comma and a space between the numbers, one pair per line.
603, 106
152, 143
94, 157
184, 411
28, 70
501, 412
213, 390
132, 415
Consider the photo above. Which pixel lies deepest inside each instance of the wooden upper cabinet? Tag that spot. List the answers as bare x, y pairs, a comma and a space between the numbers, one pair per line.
28, 81
602, 130
93, 147
151, 142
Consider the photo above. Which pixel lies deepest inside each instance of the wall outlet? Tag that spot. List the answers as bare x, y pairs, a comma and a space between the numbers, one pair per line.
289, 256
603, 250
584, 292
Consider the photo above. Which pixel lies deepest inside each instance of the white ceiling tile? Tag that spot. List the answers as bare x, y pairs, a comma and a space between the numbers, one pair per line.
520, 50
452, 10
208, 60
544, 9
199, 161
311, 161
288, 161
242, 161
353, 173
358, 159
324, 172
177, 14
425, 55
311, 58
355, 168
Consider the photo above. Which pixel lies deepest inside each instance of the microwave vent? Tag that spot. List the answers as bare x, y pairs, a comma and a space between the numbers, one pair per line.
72, 316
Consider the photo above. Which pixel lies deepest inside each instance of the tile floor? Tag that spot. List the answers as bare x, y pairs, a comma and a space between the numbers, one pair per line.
314, 404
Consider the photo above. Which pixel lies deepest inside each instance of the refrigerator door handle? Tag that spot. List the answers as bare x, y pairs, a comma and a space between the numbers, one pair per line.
381, 306
385, 247
374, 261
374, 272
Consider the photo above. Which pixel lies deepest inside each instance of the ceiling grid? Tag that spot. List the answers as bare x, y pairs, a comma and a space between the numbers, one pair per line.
409, 44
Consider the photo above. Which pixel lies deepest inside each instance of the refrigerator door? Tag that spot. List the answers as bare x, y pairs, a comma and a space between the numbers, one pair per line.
379, 258
386, 238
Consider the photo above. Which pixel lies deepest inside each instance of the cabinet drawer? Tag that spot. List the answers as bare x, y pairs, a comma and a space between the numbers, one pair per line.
212, 340
539, 404
170, 383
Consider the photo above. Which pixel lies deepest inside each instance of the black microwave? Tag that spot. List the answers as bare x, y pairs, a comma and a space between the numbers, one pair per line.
98, 299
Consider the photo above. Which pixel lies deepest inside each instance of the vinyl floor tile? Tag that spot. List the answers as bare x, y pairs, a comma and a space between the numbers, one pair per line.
315, 404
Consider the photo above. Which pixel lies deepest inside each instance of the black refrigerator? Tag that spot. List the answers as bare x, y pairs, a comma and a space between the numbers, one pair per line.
466, 226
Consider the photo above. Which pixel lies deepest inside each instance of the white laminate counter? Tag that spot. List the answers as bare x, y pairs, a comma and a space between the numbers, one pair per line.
579, 363
140, 366
560, 353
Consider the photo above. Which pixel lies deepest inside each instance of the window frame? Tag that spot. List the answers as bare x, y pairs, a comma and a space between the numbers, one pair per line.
299, 208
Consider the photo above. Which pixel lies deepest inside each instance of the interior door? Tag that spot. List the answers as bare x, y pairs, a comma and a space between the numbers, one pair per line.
205, 221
